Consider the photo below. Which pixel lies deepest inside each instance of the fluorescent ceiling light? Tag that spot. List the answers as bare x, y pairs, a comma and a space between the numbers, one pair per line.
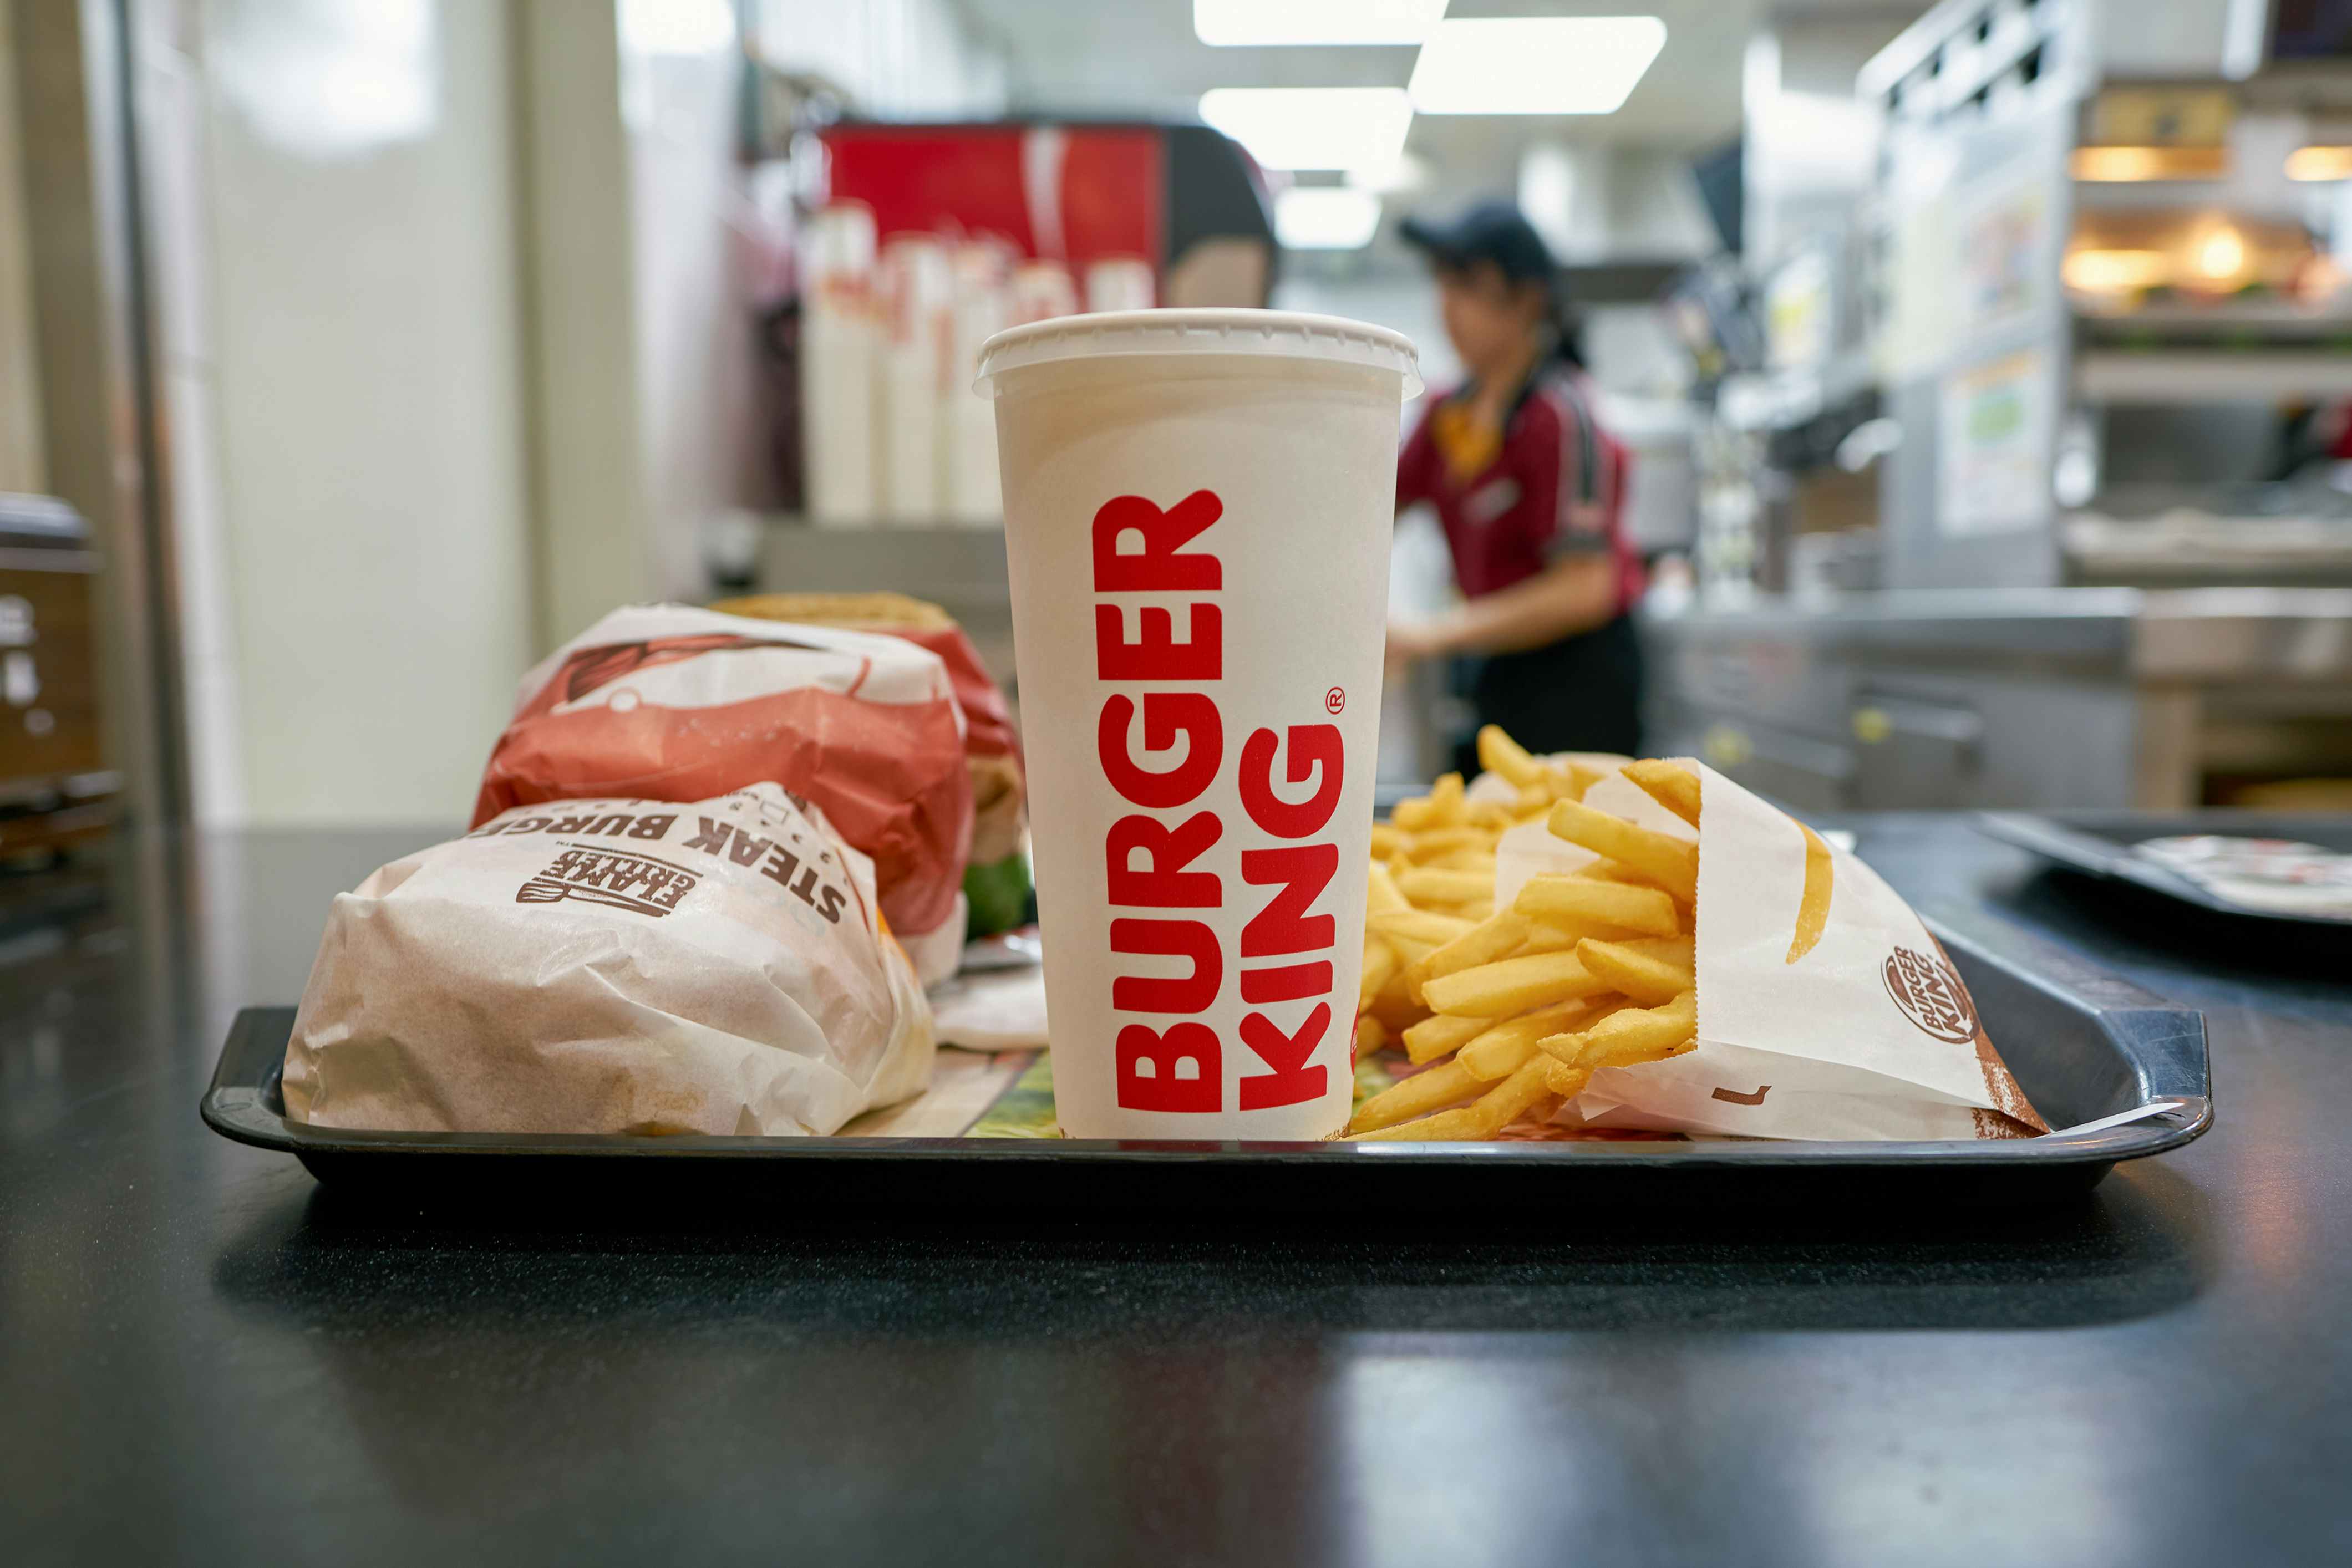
1227, 22
1406, 175
678, 26
1313, 127
2120, 165
1324, 217
1533, 65
2319, 163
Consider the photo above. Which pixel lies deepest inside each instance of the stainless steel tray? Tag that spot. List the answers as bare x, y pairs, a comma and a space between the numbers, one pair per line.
2099, 843
2084, 1044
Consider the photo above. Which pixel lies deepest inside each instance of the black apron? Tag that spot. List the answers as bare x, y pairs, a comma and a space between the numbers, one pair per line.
1579, 694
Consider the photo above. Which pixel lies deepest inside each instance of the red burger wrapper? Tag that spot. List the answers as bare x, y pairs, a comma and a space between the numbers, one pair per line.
668, 702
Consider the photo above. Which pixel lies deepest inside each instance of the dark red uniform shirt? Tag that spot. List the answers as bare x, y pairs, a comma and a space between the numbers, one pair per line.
1555, 487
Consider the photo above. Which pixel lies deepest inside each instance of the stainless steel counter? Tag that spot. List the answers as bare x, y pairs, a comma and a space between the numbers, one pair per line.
2009, 697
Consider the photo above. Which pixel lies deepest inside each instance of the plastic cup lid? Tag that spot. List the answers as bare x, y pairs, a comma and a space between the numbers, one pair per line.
1278, 334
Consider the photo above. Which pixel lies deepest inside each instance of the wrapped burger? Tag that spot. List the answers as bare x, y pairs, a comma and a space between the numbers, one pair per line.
614, 966
998, 881
671, 703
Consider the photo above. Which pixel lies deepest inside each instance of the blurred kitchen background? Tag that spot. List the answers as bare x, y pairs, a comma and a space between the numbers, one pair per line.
1986, 368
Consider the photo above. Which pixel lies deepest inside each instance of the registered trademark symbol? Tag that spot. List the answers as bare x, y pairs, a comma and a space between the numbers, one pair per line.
1334, 700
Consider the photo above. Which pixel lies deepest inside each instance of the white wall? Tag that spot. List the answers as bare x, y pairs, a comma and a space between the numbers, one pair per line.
344, 381
455, 354
691, 220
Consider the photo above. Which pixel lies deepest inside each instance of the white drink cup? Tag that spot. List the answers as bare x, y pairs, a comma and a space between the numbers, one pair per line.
1198, 508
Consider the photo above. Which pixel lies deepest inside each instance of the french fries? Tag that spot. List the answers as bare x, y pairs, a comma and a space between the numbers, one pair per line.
1379, 963
1633, 1035
1508, 987
1669, 864
1675, 788
1496, 936
1650, 975
1418, 1095
1440, 1036
1424, 886
1600, 906
1498, 1052
1417, 925
1509, 1010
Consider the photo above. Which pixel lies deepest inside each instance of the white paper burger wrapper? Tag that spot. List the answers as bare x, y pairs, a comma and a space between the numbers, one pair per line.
1849, 1023
614, 966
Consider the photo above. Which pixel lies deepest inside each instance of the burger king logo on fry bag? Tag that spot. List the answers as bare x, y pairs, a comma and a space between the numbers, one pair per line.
1928, 991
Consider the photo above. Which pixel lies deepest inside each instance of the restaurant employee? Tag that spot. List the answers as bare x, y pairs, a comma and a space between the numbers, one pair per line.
1529, 490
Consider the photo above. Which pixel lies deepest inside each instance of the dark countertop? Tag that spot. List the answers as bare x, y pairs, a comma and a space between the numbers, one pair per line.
204, 1357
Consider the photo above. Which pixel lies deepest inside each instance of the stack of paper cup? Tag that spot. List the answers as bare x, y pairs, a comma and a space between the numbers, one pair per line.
840, 339
1120, 283
1042, 290
969, 423
918, 294
1197, 513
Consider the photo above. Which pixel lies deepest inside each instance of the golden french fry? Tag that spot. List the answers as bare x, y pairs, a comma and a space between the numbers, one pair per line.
1417, 925
1580, 779
1813, 903
1670, 784
1446, 1127
1369, 1035
1477, 909
1412, 816
1386, 840
1394, 1004
1505, 1103
1632, 1036
1435, 1037
1491, 1061
1651, 980
1481, 860
1511, 986
1549, 937
1499, 753
1671, 864
1417, 1095
1379, 963
1423, 847
1493, 937
1573, 901
1380, 890
1498, 1050
1562, 1079
1445, 799
1424, 886
1492, 816
1396, 1011
1539, 796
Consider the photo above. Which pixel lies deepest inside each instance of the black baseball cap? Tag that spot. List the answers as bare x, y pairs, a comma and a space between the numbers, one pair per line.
1494, 231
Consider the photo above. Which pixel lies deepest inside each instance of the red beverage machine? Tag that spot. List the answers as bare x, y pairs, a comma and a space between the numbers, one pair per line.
1181, 197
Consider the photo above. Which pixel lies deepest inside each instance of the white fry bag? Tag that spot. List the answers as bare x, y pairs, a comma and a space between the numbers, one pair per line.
650, 966
1826, 1010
